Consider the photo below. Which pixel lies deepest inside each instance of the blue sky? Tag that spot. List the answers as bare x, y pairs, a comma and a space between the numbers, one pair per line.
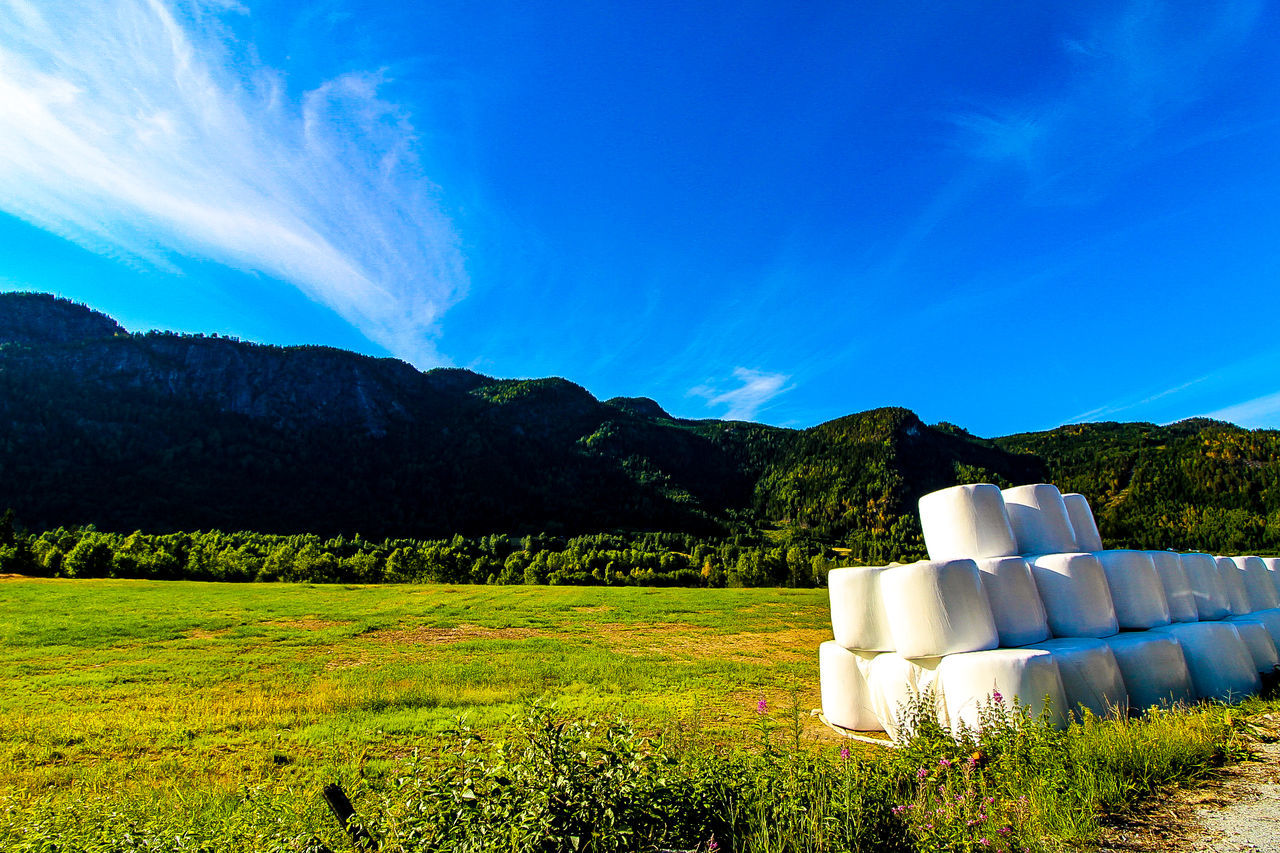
1007, 216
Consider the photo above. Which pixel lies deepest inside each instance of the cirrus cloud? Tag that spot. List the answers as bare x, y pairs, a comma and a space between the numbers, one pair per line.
144, 130
755, 389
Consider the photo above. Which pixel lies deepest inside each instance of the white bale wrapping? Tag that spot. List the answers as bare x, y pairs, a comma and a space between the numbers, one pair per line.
1273, 568
1154, 668
1206, 586
1090, 676
1136, 590
967, 681
897, 685
1258, 585
1039, 519
1218, 659
1083, 524
1015, 601
858, 619
1177, 589
1233, 583
937, 607
1077, 600
846, 698
1257, 639
966, 521
1270, 619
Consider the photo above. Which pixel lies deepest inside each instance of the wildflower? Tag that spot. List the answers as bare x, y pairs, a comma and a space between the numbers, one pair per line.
844, 753
712, 845
1005, 830
762, 707
922, 772
976, 758
984, 842
928, 826
989, 800
945, 762
899, 809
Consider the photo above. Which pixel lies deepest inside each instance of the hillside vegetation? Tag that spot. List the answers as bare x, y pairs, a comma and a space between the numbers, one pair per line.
164, 433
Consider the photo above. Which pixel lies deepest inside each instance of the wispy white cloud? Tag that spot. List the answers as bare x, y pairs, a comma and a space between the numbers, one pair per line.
1140, 67
143, 129
1259, 412
1116, 407
756, 388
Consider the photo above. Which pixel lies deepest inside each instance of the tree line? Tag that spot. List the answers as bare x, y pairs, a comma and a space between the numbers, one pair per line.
605, 559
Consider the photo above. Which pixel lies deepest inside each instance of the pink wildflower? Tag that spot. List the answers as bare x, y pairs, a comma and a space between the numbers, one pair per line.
844, 753
995, 695
762, 707
922, 773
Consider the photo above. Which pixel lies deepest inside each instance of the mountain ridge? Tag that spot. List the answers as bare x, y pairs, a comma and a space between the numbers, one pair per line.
161, 431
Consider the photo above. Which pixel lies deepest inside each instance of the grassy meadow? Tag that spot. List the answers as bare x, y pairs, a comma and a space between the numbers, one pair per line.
176, 716
191, 692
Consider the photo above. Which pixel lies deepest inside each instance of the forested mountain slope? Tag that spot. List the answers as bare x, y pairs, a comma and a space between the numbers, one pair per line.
163, 432
1196, 484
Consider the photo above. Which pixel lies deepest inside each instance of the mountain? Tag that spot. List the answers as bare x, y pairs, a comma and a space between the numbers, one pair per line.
160, 431
1196, 484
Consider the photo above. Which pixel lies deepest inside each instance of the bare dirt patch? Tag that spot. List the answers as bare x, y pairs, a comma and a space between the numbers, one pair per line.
1236, 812
693, 642
426, 636
310, 624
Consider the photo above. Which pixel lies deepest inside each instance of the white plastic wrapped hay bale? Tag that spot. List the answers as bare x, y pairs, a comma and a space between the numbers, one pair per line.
1233, 583
1177, 589
1258, 585
1206, 586
846, 699
1257, 639
901, 687
1154, 668
968, 680
1273, 568
1269, 619
1077, 600
1136, 590
858, 619
937, 607
1218, 659
1015, 603
1090, 676
1083, 524
1039, 518
966, 521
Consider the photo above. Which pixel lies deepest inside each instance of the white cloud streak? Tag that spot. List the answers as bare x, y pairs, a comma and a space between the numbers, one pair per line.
141, 129
1132, 75
1259, 412
756, 389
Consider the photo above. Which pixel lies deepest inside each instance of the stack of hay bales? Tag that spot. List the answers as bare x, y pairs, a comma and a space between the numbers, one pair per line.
1020, 599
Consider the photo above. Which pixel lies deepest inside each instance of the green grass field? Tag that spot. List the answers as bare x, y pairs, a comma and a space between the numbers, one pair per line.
170, 716
189, 690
